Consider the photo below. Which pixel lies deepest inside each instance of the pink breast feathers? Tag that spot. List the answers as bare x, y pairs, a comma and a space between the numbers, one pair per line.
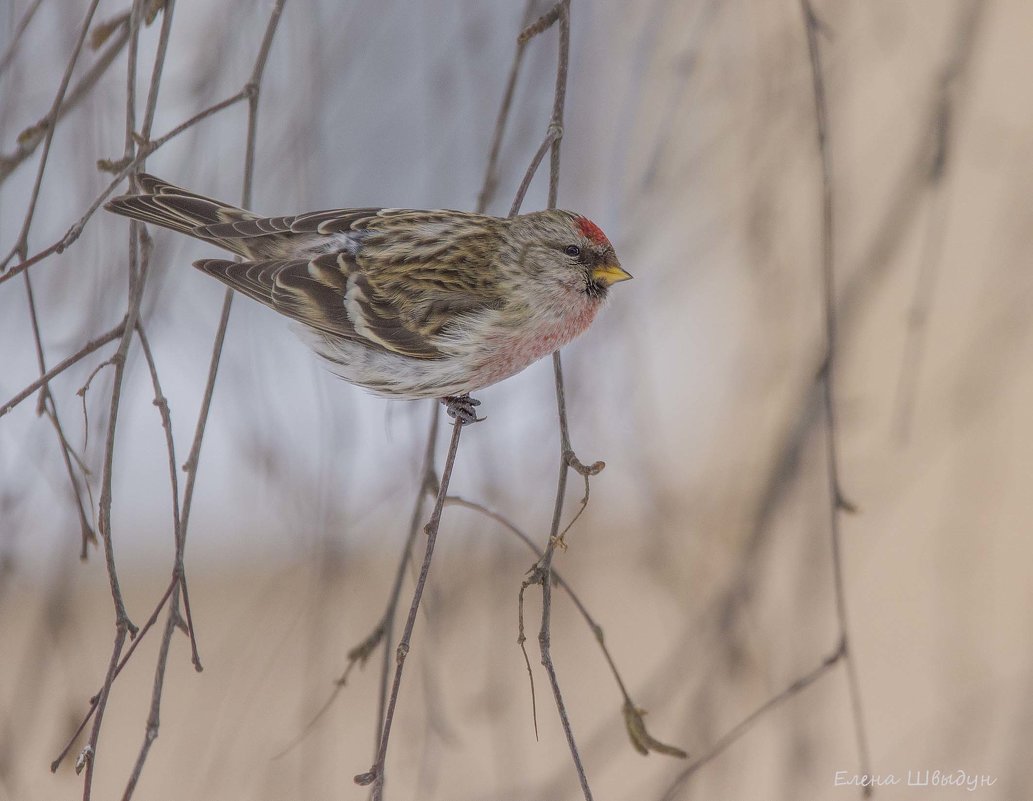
592, 231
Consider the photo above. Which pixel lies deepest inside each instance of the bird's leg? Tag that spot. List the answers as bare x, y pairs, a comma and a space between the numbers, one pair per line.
462, 408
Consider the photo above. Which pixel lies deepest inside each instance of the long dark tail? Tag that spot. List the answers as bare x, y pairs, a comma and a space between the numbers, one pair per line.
171, 207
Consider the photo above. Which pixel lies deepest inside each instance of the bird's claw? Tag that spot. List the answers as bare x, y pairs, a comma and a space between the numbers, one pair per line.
462, 409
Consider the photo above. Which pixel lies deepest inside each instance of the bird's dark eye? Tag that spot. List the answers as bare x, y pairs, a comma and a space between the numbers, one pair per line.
573, 251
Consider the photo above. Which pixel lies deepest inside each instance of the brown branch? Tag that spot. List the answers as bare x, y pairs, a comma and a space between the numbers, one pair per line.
382, 633
16, 35
552, 137
542, 571
491, 177
48, 407
375, 775
138, 255
21, 245
250, 91
952, 83
746, 723
122, 663
145, 150
632, 711
177, 585
87, 757
30, 138
429, 483
20, 249
56, 370
838, 503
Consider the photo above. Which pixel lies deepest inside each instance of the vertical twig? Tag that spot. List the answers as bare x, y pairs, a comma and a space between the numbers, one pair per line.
20, 248
251, 92
428, 481
542, 571
123, 624
491, 176
375, 775
838, 503
942, 134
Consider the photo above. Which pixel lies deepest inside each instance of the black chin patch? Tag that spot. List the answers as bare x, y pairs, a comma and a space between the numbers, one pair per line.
594, 289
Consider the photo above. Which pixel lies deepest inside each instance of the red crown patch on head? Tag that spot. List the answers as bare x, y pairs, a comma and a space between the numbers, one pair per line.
592, 231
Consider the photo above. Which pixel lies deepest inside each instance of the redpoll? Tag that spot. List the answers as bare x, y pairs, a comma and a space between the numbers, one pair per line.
408, 304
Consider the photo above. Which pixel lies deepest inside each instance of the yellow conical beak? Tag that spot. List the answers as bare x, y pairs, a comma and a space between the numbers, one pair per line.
607, 274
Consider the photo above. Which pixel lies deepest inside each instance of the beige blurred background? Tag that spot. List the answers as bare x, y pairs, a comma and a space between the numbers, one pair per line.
705, 550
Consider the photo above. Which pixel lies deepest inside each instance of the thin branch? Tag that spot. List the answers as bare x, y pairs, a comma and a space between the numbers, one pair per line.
491, 177
56, 370
250, 91
21, 245
145, 150
375, 775
552, 137
122, 663
942, 133
428, 484
154, 715
746, 723
30, 138
838, 504
542, 571
593, 624
87, 757
138, 254
178, 580
16, 36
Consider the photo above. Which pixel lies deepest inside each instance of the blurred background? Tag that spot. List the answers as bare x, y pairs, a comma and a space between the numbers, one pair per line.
705, 550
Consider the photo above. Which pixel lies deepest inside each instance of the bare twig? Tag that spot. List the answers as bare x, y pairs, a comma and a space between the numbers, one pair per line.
121, 664
746, 723
553, 137
30, 138
16, 35
429, 483
383, 632
138, 254
491, 177
375, 775
632, 712
87, 757
942, 133
838, 504
178, 579
56, 370
21, 245
20, 250
250, 92
145, 150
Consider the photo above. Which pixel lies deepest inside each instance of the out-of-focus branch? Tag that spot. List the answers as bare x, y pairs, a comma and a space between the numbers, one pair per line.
837, 502
950, 92
16, 37
30, 138
746, 723
145, 150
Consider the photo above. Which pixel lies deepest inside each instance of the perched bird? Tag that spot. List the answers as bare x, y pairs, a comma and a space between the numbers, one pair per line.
407, 304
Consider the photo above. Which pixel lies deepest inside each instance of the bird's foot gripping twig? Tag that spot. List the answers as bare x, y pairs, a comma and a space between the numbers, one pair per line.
462, 409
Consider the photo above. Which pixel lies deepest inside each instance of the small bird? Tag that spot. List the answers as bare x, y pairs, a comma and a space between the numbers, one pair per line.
407, 304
